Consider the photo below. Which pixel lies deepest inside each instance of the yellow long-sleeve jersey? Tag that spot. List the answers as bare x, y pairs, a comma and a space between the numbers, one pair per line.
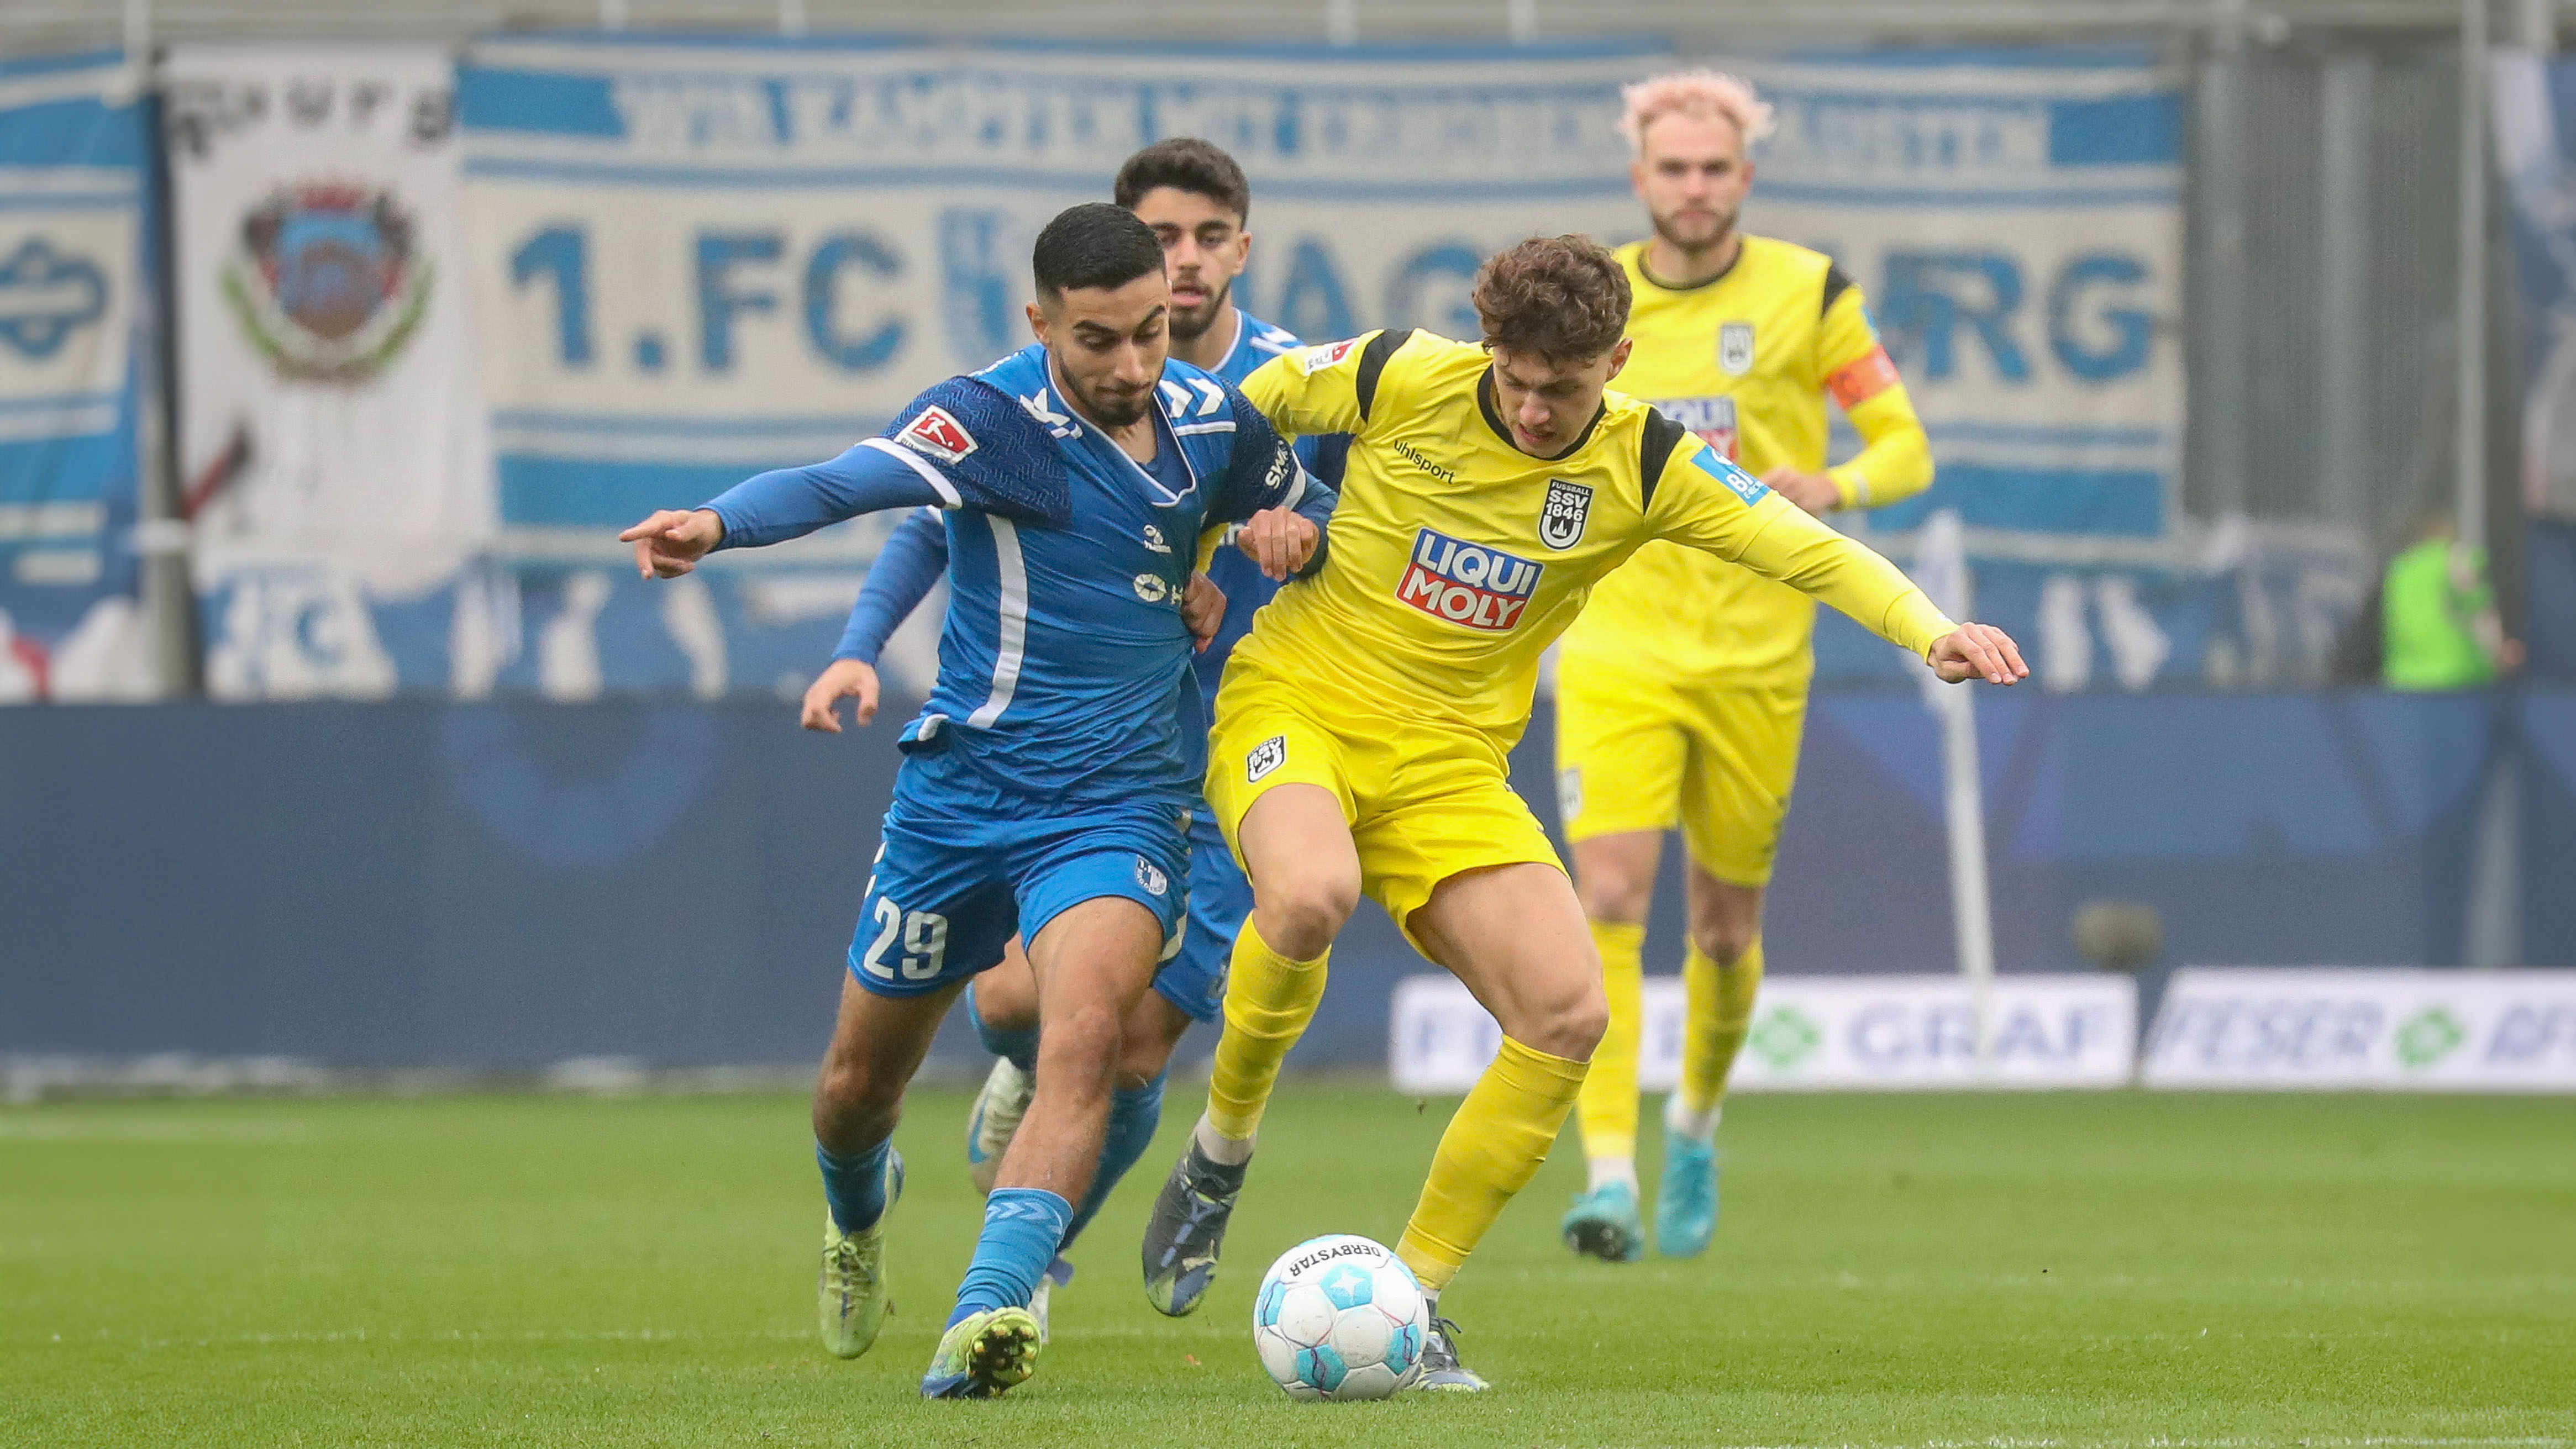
1746, 361
1457, 558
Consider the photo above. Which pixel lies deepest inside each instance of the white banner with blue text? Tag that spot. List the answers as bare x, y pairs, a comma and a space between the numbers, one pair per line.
1826, 1033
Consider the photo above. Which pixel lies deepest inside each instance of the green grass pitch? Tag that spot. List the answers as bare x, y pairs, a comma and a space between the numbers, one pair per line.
2013, 1271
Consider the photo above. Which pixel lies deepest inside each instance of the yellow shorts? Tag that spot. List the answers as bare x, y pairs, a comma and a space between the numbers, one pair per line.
1636, 753
1424, 801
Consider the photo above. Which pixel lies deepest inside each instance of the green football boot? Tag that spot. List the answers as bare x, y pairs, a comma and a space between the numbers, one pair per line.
1686, 1200
1604, 1224
983, 1354
852, 1290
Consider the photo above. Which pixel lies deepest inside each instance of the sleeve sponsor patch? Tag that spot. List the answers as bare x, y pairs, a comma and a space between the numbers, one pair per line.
1859, 381
938, 433
1741, 483
1319, 358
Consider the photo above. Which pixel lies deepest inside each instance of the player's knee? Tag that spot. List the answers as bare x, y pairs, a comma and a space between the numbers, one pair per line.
1723, 942
1571, 1028
1084, 1044
1300, 917
1616, 895
853, 1106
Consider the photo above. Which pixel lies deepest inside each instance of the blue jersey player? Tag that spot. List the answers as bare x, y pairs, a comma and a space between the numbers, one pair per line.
1195, 198
1047, 783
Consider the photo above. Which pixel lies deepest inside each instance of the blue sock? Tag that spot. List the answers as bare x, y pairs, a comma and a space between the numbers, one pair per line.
1022, 1228
854, 1185
1019, 1043
1133, 1116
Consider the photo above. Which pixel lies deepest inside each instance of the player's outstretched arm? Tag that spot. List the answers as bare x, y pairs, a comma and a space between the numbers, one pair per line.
1709, 503
781, 504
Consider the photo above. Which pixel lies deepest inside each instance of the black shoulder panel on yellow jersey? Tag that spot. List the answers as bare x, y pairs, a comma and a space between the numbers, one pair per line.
1373, 361
1835, 285
1662, 435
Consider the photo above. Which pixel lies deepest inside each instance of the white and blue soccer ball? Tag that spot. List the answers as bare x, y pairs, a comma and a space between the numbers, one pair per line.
1340, 1317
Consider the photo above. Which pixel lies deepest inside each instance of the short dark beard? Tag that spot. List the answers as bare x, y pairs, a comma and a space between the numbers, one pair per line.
1176, 323
1107, 417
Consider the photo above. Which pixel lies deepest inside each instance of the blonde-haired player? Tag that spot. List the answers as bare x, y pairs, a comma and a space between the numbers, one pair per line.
1682, 689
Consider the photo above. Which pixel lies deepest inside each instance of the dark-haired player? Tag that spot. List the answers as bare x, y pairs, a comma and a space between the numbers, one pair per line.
1361, 733
1046, 784
1197, 201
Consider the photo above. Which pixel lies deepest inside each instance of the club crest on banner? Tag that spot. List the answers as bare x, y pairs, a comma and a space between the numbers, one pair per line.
327, 282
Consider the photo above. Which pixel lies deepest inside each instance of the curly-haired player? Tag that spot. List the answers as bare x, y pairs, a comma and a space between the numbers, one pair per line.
1362, 729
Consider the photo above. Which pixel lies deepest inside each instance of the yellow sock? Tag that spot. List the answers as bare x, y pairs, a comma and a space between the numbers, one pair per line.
1718, 1013
1490, 1151
1608, 1106
1268, 1001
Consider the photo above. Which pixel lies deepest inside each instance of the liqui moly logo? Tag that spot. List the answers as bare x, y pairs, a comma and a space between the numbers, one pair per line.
1468, 584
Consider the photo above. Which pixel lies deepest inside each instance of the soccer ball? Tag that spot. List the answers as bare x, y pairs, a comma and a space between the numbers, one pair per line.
1340, 1317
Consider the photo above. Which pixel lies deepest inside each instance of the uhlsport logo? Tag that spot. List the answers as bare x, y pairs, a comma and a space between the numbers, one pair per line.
1712, 418
327, 283
1560, 519
45, 297
938, 433
1472, 585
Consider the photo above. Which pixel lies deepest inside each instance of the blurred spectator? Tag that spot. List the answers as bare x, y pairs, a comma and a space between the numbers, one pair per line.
2439, 625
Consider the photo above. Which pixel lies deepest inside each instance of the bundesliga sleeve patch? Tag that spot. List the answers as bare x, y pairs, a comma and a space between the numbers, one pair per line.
1469, 584
1319, 358
1742, 483
938, 433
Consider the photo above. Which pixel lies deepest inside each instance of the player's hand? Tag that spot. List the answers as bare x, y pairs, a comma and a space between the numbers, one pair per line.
671, 542
1281, 540
1202, 609
845, 679
1814, 492
1977, 651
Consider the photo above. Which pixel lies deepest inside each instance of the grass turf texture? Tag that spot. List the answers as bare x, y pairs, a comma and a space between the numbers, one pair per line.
2087, 1270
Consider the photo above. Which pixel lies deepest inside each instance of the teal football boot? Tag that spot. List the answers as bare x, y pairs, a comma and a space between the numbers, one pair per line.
1604, 1224
1686, 1200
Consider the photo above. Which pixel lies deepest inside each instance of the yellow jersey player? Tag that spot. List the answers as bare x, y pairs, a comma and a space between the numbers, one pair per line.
1682, 690
1362, 728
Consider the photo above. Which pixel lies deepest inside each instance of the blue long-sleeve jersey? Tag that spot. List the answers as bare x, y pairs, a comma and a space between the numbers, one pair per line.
1063, 661
916, 554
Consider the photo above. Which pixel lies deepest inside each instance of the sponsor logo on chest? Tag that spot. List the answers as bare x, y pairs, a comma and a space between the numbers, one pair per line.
1469, 584
1712, 418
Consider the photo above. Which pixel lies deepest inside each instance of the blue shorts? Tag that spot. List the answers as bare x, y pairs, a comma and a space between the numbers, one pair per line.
966, 864
1220, 898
